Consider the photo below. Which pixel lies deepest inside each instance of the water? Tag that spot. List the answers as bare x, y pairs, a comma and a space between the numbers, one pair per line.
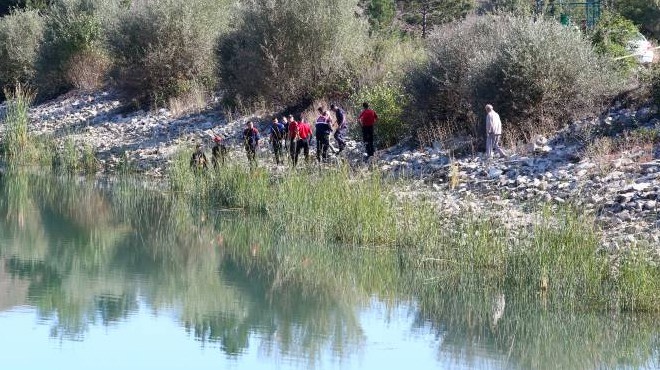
107, 276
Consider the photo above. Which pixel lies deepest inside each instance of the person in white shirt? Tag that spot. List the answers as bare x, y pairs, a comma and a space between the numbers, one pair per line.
493, 132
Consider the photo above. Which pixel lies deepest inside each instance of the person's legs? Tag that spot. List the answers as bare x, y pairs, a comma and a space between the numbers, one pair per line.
368, 138
339, 138
277, 149
306, 150
496, 145
319, 144
489, 145
325, 146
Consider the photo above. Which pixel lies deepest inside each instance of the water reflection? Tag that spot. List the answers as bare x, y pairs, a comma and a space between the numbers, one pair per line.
85, 253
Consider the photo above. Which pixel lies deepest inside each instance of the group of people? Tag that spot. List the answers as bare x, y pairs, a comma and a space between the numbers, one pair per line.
295, 136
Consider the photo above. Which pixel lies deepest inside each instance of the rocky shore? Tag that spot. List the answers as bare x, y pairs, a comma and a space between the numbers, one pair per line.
618, 185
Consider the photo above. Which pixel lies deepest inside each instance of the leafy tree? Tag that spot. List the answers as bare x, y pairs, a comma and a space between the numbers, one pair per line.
381, 13
646, 13
427, 13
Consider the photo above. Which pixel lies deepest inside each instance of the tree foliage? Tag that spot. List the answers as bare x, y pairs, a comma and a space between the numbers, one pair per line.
646, 13
285, 52
429, 13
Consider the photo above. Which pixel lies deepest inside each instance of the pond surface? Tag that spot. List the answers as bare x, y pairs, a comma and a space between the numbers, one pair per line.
101, 275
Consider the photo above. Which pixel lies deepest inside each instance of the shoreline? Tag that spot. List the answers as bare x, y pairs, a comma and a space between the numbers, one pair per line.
620, 191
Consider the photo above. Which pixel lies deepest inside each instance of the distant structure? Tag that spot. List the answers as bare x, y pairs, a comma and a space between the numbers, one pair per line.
583, 14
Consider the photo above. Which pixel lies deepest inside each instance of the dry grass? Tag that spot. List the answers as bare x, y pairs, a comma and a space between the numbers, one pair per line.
190, 102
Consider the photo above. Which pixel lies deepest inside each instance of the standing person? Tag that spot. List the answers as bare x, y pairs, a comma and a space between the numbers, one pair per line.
276, 135
198, 159
493, 132
218, 152
342, 127
304, 137
323, 129
285, 123
368, 118
251, 141
292, 137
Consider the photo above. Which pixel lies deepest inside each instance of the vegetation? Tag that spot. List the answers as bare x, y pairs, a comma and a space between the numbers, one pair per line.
166, 48
315, 55
538, 75
610, 37
643, 12
20, 38
428, 13
73, 49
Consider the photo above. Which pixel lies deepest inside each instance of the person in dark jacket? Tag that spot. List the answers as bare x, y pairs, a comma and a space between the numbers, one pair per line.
323, 129
276, 135
198, 159
342, 127
219, 151
251, 141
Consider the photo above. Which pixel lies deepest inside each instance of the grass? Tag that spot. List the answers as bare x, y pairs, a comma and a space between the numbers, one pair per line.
20, 147
557, 258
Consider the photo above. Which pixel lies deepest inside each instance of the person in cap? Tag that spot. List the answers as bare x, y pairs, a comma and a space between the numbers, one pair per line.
219, 151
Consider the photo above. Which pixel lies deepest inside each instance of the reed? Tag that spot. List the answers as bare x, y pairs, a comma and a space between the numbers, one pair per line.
556, 259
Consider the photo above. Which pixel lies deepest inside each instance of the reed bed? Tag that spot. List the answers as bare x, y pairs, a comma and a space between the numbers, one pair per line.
557, 258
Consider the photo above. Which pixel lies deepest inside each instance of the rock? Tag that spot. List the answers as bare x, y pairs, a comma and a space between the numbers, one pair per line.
494, 173
649, 205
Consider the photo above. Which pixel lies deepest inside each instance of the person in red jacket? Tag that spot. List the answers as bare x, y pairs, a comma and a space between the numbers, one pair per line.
292, 137
368, 118
304, 137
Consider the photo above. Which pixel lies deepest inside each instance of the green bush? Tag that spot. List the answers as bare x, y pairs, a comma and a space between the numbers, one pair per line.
537, 74
74, 28
286, 52
610, 36
20, 35
388, 100
643, 12
655, 85
165, 47
16, 140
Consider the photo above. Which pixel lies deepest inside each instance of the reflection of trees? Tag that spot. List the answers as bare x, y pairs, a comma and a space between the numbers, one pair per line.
532, 333
100, 248
90, 255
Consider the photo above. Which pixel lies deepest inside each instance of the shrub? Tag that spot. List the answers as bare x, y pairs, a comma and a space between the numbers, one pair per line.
643, 12
20, 35
388, 100
655, 85
164, 47
287, 52
537, 74
610, 37
73, 40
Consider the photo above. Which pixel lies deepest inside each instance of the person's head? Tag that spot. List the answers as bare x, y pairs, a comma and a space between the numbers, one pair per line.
198, 147
333, 107
291, 119
249, 124
320, 109
365, 105
217, 139
326, 113
275, 121
489, 108
284, 119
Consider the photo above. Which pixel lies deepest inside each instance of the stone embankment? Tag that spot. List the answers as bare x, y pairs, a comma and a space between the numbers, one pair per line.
592, 164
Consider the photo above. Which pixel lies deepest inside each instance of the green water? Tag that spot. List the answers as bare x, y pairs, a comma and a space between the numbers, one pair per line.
109, 274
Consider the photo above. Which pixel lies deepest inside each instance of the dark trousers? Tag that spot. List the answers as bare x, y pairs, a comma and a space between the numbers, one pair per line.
292, 149
322, 145
277, 150
340, 135
218, 154
301, 145
251, 151
368, 138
